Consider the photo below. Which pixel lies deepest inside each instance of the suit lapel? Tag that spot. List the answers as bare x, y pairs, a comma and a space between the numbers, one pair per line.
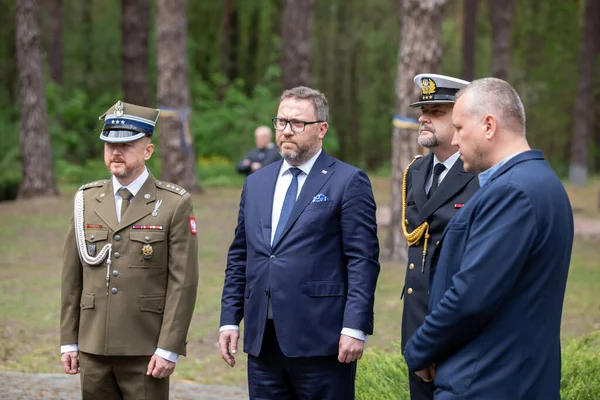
139, 206
267, 209
314, 182
454, 181
106, 207
418, 177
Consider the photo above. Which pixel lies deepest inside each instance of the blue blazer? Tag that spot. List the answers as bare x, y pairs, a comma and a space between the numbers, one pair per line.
320, 275
498, 289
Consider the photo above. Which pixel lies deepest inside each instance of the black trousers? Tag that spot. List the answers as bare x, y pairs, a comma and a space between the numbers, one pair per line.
274, 376
419, 390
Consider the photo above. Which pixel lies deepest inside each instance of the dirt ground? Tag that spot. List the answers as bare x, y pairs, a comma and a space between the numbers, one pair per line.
21, 386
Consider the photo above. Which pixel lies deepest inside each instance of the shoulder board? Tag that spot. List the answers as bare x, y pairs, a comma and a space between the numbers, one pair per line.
171, 187
93, 184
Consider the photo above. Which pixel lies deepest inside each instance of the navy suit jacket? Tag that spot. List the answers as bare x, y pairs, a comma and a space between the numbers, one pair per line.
498, 289
320, 275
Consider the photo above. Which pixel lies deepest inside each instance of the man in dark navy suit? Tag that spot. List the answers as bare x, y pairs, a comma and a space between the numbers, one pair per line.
502, 263
303, 265
437, 187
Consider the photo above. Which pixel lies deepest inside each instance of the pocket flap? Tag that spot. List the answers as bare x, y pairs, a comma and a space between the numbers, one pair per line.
154, 304
96, 236
147, 237
88, 300
325, 288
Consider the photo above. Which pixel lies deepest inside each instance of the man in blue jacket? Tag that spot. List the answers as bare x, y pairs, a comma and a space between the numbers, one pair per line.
303, 265
501, 267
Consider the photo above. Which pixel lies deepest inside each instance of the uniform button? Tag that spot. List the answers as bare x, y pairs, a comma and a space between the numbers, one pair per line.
147, 238
405, 222
115, 273
272, 257
115, 290
160, 308
91, 237
438, 242
409, 291
411, 266
117, 254
117, 237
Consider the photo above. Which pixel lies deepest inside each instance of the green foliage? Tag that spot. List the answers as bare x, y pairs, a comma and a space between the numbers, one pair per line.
383, 374
218, 171
581, 369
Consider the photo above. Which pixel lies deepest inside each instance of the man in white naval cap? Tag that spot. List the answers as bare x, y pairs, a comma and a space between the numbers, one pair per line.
130, 271
436, 188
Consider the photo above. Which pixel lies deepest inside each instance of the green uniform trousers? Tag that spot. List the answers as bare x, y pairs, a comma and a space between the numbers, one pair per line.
119, 378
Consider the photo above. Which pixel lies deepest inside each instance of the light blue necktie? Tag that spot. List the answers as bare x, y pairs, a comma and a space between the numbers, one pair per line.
288, 204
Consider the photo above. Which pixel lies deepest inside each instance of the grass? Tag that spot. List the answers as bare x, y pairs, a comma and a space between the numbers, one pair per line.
31, 242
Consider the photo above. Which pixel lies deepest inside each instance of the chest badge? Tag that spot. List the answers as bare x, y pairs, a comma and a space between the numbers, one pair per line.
147, 251
156, 208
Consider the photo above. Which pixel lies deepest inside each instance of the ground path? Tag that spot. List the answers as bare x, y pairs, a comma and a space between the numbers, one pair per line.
21, 386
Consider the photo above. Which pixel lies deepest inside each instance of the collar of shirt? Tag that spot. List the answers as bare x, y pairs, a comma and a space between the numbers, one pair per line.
134, 186
485, 176
449, 163
306, 167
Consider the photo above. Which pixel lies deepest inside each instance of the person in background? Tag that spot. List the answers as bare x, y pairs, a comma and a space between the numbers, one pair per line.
264, 154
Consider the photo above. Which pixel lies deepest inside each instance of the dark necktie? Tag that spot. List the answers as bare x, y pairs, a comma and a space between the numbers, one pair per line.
288, 203
126, 195
437, 171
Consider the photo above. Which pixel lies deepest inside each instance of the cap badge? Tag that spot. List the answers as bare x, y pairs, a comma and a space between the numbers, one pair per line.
119, 108
428, 86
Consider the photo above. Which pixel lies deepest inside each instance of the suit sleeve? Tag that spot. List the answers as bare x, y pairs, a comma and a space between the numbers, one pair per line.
232, 299
499, 240
182, 280
71, 287
361, 249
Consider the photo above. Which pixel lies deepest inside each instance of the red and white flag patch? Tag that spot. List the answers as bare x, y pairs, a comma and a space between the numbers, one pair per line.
192, 225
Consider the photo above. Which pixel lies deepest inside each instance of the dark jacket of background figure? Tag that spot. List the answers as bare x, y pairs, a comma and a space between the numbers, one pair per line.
264, 156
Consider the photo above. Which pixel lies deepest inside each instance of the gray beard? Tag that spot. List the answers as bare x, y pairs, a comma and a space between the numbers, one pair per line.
428, 142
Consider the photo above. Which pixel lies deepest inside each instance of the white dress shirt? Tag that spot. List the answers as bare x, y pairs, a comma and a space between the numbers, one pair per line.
134, 187
449, 163
284, 179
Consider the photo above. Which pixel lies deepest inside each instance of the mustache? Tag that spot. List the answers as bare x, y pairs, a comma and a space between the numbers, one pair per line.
426, 128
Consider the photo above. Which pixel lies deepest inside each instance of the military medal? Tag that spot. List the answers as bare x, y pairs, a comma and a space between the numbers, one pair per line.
147, 251
156, 208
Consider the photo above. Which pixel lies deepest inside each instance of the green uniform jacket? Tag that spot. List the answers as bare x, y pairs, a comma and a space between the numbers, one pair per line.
150, 299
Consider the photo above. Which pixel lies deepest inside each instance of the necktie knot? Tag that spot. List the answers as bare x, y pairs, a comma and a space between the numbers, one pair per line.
125, 194
438, 169
295, 172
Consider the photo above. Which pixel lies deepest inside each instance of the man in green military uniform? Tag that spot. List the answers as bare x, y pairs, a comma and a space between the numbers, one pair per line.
130, 271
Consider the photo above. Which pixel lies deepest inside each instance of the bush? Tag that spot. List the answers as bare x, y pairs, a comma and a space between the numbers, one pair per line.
218, 171
383, 374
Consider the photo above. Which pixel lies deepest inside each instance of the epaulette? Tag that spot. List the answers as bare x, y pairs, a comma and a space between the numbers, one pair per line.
93, 184
169, 186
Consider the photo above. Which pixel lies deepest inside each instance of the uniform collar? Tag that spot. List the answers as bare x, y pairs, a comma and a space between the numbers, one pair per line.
449, 163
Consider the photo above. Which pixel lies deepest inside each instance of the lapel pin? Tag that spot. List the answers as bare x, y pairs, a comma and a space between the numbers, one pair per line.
323, 171
146, 196
458, 205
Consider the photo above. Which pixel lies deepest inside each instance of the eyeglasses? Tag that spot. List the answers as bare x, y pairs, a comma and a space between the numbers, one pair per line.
295, 125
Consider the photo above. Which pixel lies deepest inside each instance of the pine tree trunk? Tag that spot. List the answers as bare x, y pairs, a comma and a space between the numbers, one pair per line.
54, 39
582, 110
297, 20
502, 17
469, 32
38, 174
420, 51
135, 30
176, 145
